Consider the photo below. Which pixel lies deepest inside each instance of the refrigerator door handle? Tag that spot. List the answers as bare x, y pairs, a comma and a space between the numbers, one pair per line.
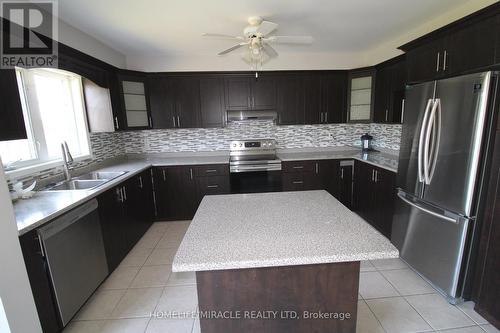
421, 141
432, 134
403, 197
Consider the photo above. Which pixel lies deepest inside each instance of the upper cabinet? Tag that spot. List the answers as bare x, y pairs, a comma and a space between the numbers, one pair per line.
463, 46
11, 112
212, 101
361, 95
290, 99
134, 101
250, 93
390, 84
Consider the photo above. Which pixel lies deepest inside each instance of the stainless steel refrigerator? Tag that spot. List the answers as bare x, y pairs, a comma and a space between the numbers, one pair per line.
445, 129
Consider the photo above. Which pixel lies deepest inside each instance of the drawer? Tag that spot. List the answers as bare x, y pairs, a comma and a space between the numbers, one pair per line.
211, 170
294, 182
212, 185
298, 166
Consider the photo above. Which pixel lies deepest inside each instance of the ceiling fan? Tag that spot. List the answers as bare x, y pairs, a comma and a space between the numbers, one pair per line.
258, 42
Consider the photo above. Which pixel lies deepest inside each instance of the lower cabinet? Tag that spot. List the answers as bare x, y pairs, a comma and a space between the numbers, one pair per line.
319, 175
126, 213
180, 189
374, 190
41, 286
346, 183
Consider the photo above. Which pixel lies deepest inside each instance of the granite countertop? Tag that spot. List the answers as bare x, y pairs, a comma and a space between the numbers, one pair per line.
384, 160
276, 229
45, 206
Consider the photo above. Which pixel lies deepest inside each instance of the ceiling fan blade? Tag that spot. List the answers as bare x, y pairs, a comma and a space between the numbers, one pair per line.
232, 48
289, 39
270, 51
223, 36
266, 28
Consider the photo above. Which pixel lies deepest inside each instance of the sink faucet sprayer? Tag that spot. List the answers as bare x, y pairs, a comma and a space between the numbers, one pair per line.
67, 158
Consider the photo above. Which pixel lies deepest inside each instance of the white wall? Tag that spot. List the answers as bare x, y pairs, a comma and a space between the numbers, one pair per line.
81, 41
15, 290
233, 62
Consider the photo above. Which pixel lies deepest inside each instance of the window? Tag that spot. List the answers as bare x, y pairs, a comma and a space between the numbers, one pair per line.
53, 112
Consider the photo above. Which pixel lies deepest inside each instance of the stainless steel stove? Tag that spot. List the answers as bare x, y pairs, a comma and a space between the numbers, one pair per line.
254, 166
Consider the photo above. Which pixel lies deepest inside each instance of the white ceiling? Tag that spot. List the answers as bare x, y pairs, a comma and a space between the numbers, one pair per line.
159, 28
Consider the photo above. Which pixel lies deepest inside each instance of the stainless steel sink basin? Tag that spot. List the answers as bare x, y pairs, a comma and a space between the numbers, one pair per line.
98, 175
77, 184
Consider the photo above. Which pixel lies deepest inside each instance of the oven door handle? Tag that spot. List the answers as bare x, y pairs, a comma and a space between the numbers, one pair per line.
252, 168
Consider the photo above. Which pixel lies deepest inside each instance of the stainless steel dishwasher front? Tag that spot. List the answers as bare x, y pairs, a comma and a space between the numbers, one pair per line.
74, 250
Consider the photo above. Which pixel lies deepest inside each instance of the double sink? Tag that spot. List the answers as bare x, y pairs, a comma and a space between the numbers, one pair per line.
88, 181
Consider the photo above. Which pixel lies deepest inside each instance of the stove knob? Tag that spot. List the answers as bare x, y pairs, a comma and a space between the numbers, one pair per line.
241, 145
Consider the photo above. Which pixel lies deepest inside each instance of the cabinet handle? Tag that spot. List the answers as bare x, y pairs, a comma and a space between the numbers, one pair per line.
164, 176
173, 119
191, 173
40, 243
298, 182
316, 167
299, 167
178, 122
124, 193
119, 193
210, 170
402, 110
321, 117
253, 101
117, 126
248, 102
373, 175
341, 173
444, 59
376, 176
326, 117
437, 62
386, 115
212, 186
150, 122
140, 182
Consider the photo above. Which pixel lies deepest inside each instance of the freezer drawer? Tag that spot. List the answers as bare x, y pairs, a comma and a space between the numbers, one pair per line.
431, 241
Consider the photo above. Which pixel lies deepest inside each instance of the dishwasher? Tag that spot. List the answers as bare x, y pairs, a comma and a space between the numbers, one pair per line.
74, 250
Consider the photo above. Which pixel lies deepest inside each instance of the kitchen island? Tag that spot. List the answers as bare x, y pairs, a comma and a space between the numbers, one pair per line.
278, 262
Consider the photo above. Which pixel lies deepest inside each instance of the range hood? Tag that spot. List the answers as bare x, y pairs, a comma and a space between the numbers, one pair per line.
251, 115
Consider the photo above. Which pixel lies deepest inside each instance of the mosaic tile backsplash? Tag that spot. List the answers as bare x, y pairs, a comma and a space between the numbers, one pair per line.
109, 145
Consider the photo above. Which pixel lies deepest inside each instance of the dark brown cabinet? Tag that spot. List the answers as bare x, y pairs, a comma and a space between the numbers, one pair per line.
180, 189
374, 191
312, 175
187, 102
125, 212
472, 47
162, 102
346, 184
41, 286
290, 99
390, 84
250, 92
11, 112
325, 96
212, 102
135, 109
487, 277
463, 46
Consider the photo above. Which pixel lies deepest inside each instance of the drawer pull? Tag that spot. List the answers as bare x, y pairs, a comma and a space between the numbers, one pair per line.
298, 182
299, 167
212, 186
210, 170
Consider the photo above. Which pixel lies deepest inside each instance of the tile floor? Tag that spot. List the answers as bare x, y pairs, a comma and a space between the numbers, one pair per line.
392, 298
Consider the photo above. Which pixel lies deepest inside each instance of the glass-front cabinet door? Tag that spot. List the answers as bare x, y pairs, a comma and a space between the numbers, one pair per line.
360, 96
135, 103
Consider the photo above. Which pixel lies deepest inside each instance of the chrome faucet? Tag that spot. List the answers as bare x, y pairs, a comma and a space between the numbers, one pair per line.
67, 158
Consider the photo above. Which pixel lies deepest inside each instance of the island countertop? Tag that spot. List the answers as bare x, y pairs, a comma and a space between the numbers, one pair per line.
276, 229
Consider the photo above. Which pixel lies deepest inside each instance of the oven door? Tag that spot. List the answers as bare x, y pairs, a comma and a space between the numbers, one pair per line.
256, 181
